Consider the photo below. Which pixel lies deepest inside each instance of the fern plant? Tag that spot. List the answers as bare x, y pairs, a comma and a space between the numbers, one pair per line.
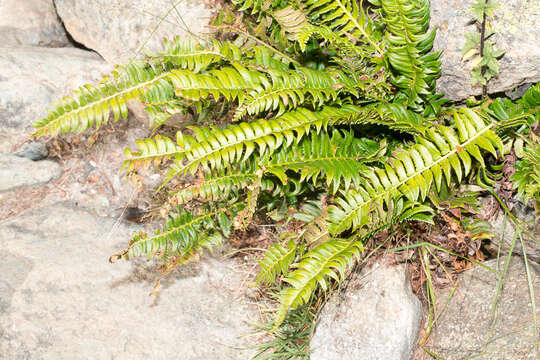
329, 100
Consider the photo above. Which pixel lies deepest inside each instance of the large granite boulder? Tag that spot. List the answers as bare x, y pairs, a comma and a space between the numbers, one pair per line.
517, 32
119, 29
466, 329
17, 172
60, 298
30, 23
31, 78
377, 318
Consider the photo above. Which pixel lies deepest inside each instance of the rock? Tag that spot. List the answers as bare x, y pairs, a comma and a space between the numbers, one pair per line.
33, 151
17, 172
378, 317
31, 78
30, 23
69, 302
117, 29
527, 219
465, 329
517, 32
9, 284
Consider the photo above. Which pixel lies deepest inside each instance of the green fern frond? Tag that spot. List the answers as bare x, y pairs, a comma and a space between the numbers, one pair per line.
193, 54
215, 186
91, 105
411, 173
337, 158
346, 18
409, 43
328, 260
289, 90
157, 151
276, 262
182, 236
214, 148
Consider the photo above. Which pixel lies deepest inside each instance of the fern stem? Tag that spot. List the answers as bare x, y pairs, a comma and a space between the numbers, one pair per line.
311, 160
482, 44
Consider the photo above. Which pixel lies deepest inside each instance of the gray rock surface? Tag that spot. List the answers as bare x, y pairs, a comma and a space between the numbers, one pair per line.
34, 151
117, 29
377, 318
17, 172
517, 32
464, 329
504, 242
31, 78
60, 298
30, 23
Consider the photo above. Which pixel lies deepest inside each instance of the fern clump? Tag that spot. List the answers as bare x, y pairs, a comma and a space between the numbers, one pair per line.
332, 112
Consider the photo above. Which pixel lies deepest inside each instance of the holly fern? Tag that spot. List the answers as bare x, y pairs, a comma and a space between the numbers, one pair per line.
327, 99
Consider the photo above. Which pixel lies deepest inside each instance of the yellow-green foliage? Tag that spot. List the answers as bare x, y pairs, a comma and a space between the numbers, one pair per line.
329, 99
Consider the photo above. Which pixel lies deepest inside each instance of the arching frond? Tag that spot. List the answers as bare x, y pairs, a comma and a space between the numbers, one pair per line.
276, 262
347, 18
289, 90
91, 105
183, 235
330, 260
213, 148
411, 173
409, 43
337, 159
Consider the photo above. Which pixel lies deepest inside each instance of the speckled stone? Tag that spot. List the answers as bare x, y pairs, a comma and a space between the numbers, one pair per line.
17, 172
33, 77
33, 150
60, 298
120, 29
377, 318
517, 32
465, 328
30, 23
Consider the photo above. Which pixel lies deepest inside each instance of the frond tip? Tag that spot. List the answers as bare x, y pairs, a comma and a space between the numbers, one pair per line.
92, 105
182, 238
412, 172
328, 260
276, 262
